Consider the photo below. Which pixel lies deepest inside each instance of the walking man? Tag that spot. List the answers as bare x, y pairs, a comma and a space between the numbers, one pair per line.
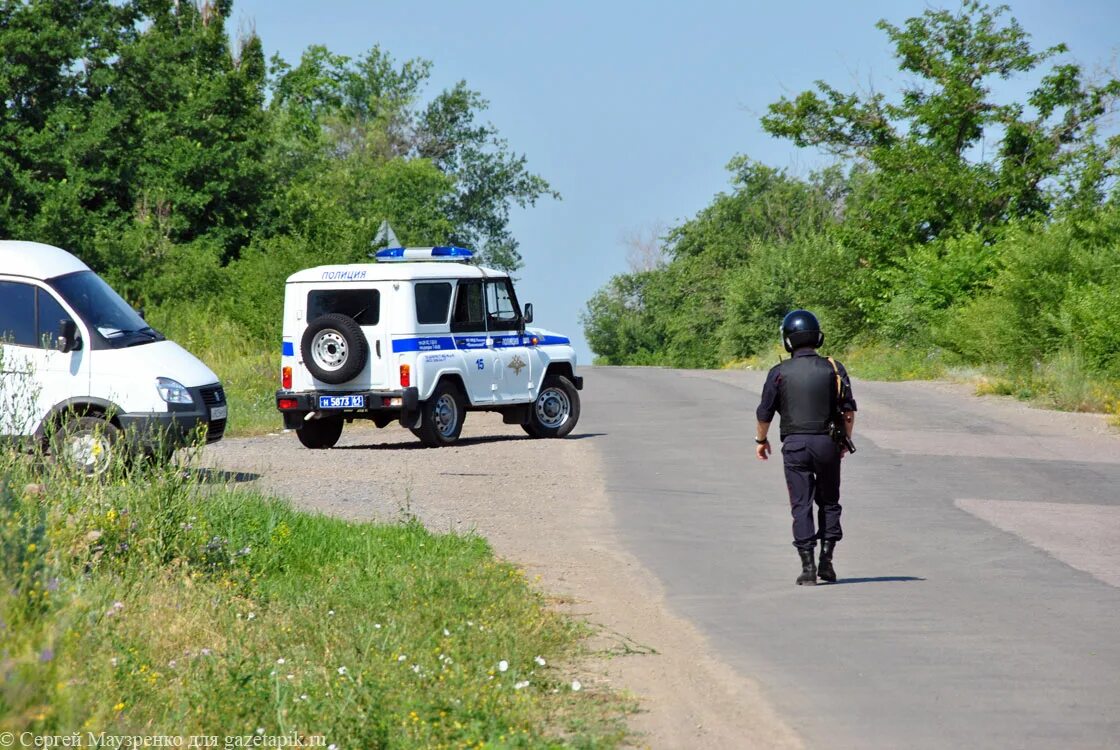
813, 394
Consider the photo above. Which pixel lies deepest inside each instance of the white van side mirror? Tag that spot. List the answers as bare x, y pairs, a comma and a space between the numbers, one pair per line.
68, 338
528, 313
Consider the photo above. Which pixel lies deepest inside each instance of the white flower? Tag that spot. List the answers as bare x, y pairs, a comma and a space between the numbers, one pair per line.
171, 664
291, 677
113, 661
303, 697
539, 660
205, 652
342, 670
272, 673
332, 746
416, 668
280, 660
402, 657
446, 631
330, 613
250, 616
576, 686
260, 730
377, 626
503, 665
522, 684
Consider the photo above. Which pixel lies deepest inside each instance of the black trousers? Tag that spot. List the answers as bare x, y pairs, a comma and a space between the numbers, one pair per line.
812, 464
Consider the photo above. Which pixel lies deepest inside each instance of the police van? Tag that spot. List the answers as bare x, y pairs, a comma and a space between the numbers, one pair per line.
82, 373
419, 337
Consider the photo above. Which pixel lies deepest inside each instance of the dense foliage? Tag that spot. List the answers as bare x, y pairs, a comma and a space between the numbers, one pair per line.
952, 223
188, 170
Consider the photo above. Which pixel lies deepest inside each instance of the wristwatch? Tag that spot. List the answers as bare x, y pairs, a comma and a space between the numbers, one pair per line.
764, 441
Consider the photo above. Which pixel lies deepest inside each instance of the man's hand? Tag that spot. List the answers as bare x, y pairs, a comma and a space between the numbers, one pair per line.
762, 450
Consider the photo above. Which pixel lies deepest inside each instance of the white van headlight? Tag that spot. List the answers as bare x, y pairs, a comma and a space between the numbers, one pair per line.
173, 392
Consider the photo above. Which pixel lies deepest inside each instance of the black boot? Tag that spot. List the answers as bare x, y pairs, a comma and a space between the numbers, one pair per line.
826, 571
808, 575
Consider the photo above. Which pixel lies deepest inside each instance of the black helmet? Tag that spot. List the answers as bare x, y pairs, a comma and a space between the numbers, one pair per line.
801, 328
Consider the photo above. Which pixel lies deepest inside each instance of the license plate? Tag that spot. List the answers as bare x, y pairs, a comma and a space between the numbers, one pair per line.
342, 402
219, 412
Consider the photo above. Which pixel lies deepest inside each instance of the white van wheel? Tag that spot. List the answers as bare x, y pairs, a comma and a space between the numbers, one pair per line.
555, 412
441, 418
320, 434
86, 445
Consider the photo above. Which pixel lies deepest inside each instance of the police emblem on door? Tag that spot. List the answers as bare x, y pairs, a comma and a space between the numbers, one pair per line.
516, 364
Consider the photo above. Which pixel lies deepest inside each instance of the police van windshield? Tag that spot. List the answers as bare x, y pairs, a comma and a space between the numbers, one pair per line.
103, 310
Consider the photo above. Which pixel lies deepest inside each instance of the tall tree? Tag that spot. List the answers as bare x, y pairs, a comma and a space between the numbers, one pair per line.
932, 171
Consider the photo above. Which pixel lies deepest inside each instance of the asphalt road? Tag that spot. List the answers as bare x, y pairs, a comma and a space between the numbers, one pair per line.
977, 604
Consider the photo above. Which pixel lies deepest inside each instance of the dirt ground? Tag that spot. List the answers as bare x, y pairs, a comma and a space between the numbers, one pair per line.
542, 505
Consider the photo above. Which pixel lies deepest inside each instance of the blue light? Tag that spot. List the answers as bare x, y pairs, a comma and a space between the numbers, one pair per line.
451, 252
424, 253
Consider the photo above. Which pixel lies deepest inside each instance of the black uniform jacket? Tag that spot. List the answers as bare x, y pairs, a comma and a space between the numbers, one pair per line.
768, 407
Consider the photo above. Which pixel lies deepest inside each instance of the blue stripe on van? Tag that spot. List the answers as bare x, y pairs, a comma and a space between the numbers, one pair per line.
437, 343
424, 344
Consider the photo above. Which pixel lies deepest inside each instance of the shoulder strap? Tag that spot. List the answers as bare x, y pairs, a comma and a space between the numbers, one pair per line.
839, 384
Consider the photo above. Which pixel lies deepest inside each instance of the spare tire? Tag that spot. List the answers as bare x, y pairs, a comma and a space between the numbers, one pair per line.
334, 348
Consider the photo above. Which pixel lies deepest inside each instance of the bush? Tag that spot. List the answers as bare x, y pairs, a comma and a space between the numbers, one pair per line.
813, 272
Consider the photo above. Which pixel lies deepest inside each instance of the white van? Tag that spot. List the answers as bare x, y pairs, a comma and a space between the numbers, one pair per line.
420, 337
82, 371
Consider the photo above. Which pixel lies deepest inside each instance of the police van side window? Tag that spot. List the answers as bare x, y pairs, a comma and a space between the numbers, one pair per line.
470, 307
432, 303
501, 305
17, 313
50, 314
363, 305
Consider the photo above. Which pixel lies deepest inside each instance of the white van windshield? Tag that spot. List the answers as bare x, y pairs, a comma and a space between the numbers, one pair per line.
103, 310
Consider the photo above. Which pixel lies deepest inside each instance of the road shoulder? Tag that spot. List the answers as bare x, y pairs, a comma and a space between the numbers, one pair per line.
541, 504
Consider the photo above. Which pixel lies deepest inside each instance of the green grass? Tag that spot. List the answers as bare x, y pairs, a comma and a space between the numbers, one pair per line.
1062, 382
869, 362
157, 605
248, 368
883, 362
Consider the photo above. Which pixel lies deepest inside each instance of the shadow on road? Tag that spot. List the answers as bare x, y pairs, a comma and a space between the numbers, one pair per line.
880, 579
215, 476
459, 443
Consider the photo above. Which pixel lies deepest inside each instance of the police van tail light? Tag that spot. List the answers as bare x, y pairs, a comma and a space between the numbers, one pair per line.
286, 378
406, 376
286, 404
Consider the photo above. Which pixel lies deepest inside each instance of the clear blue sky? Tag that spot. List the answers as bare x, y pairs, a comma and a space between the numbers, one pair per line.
631, 109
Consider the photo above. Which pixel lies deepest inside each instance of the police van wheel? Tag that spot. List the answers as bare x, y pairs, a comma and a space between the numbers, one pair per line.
555, 412
334, 348
441, 416
86, 446
318, 434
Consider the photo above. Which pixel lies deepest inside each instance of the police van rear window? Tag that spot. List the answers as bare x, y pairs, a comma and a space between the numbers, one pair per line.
432, 303
363, 305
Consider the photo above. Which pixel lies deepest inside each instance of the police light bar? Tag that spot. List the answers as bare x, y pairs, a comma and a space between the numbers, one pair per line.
423, 253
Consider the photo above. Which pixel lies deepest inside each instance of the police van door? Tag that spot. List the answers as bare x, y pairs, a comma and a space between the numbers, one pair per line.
473, 343
362, 304
503, 320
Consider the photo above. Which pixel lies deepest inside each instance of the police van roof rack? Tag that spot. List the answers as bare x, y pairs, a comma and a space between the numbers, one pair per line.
397, 254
